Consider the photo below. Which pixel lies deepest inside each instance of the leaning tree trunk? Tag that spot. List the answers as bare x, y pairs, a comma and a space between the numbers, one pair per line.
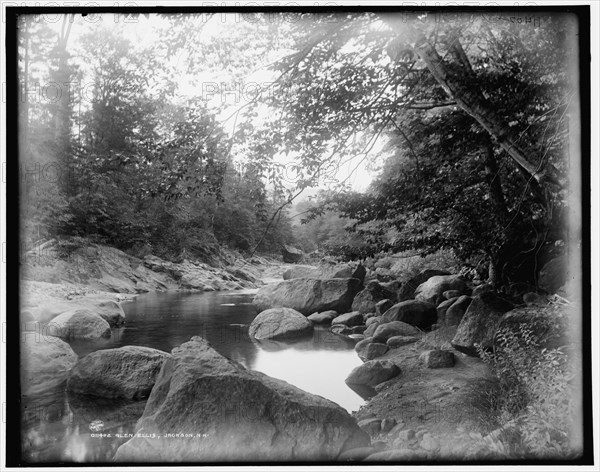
472, 101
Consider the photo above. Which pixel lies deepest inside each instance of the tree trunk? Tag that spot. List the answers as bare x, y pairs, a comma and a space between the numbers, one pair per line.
472, 101
494, 182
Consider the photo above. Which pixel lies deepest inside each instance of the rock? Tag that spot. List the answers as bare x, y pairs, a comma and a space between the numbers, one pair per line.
429, 443
382, 306
448, 294
279, 323
432, 290
358, 329
127, 372
532, 298
372, 326
241, 415
356, 337
455, 313
397, 455
368, 316
361, 346
366, 300
483, 288
373, 320
407, 290
479, 323
374, 350
80, 323
46, 362
554, 274
373, 373
291, 254
387, 424
405, 435
398, 341
110, 311
356, 454
394, 328
442, 308
414, 312
309, 295
326, 271
341, 329
437, 359
371, 426
548, 325
324, 317
353, 318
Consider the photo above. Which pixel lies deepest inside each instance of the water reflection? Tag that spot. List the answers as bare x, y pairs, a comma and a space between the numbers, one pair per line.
56, 426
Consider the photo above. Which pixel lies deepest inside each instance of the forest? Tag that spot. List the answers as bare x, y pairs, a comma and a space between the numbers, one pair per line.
164, 146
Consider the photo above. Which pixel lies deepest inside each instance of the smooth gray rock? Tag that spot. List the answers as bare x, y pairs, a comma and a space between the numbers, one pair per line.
373, 373
433, 289
366, 300
79, 323
323, 317
399, 341
414, 312
279, 323
127, 372
234, 414
394, 328
407, 290
455, 313
353, 318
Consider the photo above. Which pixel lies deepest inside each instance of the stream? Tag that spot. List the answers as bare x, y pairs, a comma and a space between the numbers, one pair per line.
56, 426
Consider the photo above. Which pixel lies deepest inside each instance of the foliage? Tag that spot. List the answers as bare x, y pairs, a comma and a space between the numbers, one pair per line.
534, 394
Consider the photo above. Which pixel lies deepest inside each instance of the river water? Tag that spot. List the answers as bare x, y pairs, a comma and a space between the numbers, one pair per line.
56, 426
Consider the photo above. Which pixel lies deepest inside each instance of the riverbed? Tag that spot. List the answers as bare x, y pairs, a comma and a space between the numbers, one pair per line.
58, 427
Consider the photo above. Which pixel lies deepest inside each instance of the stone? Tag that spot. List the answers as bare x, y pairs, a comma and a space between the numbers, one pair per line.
358, 329
309, 295
448, 294
432, 290
371, 426
406, 435
354, 318
372, 327
414, 312
291, 254
387, 424
479, 323
279, 323
368, 316
325, 271
366, 300
554, 274
356, 454
372, 320
373, 373
341, 329
241, 415
374, 350
110, 311
361, 346
127, 372
429, 443
437, 359
442, 308
455, 313
407, 290
45, 363
324, 317
483, 288
394, 328
382, 306
79, 323
399, 341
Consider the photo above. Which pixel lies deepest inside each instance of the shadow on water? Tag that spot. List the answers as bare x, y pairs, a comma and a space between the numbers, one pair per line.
61, 427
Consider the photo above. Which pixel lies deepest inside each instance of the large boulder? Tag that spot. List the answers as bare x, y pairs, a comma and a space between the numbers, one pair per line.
373, 373
325, 271
414, 312
455, 313
79, 323
309, 295
407, 290
354, 318
127, 372
366, 300
45, 362
432, 291
479, 323
110, 311
233, 414
553, 275
279, 323
393, 328
291, 254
